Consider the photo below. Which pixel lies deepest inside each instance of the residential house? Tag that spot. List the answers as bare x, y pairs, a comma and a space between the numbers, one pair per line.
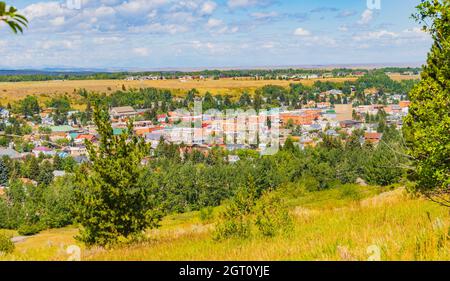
46, 151
9, 152
122, 112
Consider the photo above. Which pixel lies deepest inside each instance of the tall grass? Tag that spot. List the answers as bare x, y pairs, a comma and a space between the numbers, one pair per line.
363, 225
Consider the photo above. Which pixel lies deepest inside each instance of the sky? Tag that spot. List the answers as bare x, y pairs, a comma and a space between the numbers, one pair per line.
163, 34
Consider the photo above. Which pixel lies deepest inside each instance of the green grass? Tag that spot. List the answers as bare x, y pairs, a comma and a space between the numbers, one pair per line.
336, 224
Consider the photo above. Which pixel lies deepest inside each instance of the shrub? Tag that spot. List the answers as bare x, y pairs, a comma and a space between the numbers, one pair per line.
350, 191
206, 214
29, 229
238, 227
272, 216
235, 221
6, 245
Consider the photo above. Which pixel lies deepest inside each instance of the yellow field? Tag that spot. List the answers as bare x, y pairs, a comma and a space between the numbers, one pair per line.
387, 226
13, 91
18, 90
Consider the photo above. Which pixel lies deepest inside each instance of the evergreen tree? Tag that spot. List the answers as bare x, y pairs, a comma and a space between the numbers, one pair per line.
113, 203
4, 173
427, 125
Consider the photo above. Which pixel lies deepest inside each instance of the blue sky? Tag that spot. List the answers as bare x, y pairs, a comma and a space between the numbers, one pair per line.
149, 34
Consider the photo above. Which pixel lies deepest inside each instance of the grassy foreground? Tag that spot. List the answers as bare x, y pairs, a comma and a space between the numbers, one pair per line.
356, 223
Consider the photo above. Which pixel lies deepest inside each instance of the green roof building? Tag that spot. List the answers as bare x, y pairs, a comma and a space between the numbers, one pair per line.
62, 129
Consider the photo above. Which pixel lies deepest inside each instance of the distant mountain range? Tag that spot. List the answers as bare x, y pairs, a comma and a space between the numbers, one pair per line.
78, 70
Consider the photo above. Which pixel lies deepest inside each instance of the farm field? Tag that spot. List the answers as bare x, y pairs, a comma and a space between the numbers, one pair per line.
18, 90
329, 225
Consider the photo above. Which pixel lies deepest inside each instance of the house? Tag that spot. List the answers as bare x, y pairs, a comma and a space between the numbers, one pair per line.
77, 151
4, 113
348, 123
404, 103
79, 140
58, 173
44, 150
9, 152
372, 137
122, 112
63, 129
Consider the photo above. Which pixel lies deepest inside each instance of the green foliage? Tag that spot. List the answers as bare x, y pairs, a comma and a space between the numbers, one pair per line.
6, 245
29, 106
234, 220
4, 173
244, 211
58, 202
272, 216
113, 203
27, 229
427, 125
10, 16
206, 214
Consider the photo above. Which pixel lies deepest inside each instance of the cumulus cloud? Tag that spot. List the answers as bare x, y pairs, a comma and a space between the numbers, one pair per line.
208, 8
366, 17
214, 23
301, 32
57, 21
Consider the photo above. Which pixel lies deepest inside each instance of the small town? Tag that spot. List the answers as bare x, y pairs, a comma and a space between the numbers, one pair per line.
305, 127
224, 139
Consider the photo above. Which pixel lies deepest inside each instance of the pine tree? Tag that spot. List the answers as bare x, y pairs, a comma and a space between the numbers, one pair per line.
427, 126
4, 173
114, 203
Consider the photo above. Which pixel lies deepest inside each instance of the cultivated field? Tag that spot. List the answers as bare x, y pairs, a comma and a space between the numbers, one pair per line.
329, 225
11, 91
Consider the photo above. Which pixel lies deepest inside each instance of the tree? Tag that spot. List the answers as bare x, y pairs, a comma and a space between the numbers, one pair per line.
427, 125
4, 173
113, 203
10, 16
29, 106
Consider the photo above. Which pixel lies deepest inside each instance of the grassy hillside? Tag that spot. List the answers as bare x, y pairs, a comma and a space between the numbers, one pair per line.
348, 223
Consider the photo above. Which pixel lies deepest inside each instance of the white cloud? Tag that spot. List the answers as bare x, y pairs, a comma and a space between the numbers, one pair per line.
343, 28
366, 17
376, 35
44, 10
139, 6
142, 51
244, 3
57, 21
157, 28
261, 16
108, 40
208, 8
214, 23
301, 32
104, 11
53, 44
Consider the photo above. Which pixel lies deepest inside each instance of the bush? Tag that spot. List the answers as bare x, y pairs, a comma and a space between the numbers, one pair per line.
350, 191
26, 229
232, 228
235, 221
6, 245
206, 214
272, 216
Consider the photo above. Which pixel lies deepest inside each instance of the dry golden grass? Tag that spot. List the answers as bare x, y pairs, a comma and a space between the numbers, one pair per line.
399, 77
402, 228
12, 91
